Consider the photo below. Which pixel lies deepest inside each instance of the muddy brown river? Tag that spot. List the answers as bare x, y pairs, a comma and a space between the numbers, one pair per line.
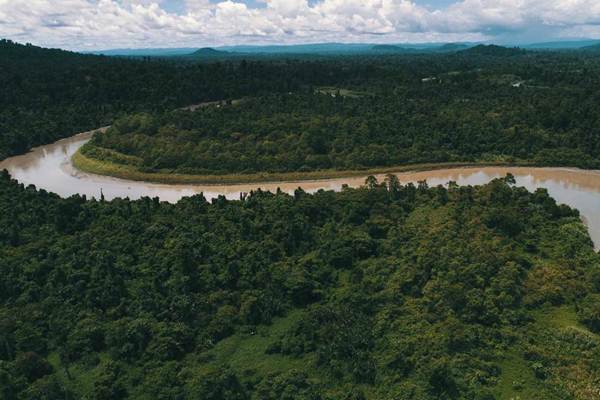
49, 167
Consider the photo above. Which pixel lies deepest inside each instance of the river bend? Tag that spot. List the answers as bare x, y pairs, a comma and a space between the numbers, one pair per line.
49, 167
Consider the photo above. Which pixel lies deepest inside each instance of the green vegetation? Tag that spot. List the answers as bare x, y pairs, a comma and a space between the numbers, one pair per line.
382, 292
128, 171
50, 94
478, 106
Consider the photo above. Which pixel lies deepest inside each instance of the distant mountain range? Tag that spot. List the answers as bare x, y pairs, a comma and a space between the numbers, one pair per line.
561, 45
390, 48
209, 52
448, 47
150, 52
444, 48
315, 48
325, 49
594, 47
493, 50
301, 49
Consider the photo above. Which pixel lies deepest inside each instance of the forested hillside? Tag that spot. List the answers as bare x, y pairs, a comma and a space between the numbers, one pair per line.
480, 105
384, 292
49, 94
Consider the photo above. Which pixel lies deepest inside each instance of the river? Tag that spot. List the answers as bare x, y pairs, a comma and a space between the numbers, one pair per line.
49, 167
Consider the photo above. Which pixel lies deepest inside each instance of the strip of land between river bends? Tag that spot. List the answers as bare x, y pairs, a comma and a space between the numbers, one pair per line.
127, 172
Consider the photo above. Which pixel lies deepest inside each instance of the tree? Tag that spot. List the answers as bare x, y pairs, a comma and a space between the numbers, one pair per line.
32, 366
217, 384
47, 388
393, 184
291, 385
589, 312
371, 182
108, 386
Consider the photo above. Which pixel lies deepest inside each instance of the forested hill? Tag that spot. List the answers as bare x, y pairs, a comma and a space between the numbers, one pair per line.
493, 50
15, 52
47, 94
384, 292
502, 114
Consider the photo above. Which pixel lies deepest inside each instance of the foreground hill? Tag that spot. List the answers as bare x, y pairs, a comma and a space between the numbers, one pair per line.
384, 292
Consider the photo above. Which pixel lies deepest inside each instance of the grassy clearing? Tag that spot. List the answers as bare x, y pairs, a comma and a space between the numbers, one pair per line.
82, 378
558, 318
129, 172
101, 153
561, 335
246, 353
517, 381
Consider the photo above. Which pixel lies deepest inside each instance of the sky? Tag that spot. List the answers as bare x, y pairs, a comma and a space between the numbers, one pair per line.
107, 24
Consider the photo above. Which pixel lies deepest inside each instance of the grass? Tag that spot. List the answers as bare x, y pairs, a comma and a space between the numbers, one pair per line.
243, 351
517, 380
558, 318
102, 153
129, 172
82, 378
246, 354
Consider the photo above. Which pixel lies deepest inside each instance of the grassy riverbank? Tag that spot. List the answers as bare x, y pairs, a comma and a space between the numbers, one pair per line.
130, 172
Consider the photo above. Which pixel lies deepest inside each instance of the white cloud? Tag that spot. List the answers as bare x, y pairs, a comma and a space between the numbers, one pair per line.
81, 24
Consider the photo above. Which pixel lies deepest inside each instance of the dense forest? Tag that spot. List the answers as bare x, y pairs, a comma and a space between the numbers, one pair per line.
518, 108
50, 94
383, 292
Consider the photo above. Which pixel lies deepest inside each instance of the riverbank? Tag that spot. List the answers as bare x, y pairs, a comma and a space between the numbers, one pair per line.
129, 172
50, 168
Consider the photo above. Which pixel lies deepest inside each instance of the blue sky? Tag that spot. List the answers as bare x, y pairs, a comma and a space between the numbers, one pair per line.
100, 24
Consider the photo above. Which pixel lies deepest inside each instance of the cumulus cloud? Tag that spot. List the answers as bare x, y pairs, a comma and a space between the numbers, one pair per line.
85, 24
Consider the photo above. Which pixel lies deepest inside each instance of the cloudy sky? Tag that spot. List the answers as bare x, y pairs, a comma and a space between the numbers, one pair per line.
102, 24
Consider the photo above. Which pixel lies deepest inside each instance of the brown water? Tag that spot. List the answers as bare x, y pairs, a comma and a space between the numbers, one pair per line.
49, 167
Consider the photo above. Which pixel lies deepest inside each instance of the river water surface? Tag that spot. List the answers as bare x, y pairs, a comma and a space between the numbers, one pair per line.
49, 167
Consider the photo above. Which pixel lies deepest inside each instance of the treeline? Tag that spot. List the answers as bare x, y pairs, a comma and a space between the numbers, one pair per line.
382, 292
